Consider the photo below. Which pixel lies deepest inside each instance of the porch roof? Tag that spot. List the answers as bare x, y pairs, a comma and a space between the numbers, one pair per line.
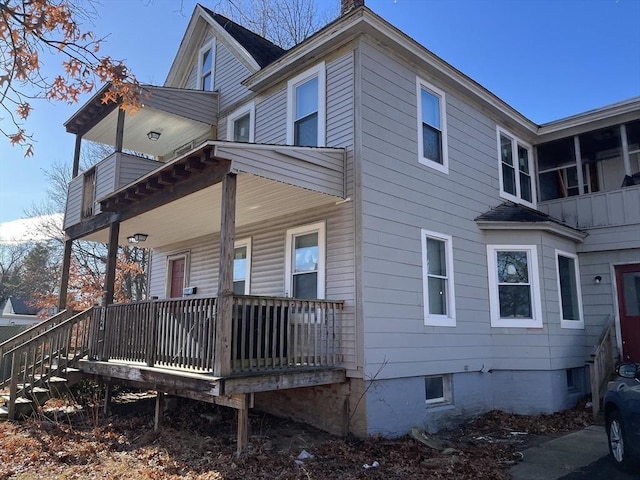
175, 113
181, 198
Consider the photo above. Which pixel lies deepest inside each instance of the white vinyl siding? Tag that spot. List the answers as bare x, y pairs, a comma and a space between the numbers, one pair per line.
437, 279
569, 290
515, 167
514, 286
432, 127
306, 108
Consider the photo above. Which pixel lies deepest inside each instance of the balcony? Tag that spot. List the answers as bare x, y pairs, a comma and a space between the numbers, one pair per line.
107, 176
597, 210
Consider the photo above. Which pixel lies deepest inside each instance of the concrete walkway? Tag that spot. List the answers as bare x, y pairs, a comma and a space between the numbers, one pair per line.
561, 456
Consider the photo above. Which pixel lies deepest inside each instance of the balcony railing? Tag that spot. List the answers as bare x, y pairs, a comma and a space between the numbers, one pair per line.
602, 209
268, 333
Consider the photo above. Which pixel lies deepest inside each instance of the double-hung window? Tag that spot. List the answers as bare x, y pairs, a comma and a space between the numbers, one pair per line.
515, 169
306, 107
242, 267
305, 261
569, 290
432, 127
240, 124
206, 66
437, 279
514, 286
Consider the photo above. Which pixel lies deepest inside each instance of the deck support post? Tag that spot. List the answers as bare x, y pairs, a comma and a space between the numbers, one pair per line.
157, 423
243, 423
224, 304
107, 398
64, 281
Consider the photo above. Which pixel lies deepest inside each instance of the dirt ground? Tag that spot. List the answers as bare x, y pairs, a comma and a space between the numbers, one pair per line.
197, 441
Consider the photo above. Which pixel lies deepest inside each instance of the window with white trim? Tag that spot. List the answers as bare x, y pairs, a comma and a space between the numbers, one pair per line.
240, 124
437, 279
306, 108
569, 290
515, 169
242, 267
206, 59
514, 287
305, 261
437, 390
432, 127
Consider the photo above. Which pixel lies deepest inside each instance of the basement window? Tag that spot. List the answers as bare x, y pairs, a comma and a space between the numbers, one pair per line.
437, 390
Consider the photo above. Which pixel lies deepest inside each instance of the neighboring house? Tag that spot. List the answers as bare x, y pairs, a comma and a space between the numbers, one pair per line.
458, 257
17, 312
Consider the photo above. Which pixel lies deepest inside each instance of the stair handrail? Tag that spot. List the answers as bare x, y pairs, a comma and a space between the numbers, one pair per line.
25, 336
52, 338
601, 364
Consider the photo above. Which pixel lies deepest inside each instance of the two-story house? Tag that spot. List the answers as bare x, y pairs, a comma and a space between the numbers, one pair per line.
355, 234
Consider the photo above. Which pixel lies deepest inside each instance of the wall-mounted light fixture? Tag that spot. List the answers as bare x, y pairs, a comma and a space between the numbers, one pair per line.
153, 136
137, 238
598, 279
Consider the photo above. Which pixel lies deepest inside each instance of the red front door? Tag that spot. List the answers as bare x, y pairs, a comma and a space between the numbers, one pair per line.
176, 277
628, 284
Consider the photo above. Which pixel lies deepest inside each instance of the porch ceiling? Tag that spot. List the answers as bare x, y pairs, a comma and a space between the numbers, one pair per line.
177, 114
258, 199
173, 129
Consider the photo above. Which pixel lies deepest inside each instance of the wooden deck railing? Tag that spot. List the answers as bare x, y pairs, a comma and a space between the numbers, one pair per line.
271, 333
170, 333
36, 361
268, 333
601, 365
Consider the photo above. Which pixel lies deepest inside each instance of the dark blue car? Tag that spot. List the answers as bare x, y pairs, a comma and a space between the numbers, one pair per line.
622, 416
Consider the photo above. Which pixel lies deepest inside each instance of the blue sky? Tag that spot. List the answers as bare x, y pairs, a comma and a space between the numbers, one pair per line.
547, 58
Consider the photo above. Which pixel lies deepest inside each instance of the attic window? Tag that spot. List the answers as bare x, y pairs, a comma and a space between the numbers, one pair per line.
205, 67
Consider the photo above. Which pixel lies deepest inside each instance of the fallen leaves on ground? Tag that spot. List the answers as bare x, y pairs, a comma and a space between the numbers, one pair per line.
197, 441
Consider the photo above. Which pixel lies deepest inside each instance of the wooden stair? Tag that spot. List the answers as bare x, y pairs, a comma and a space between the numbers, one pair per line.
41, 363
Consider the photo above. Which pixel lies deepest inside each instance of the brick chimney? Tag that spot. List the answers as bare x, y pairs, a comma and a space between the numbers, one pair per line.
347, 6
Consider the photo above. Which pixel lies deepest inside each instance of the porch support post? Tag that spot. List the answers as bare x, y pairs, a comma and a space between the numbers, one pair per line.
159, 410
64, 281
119, 130
76, 156
110, 276
224, 305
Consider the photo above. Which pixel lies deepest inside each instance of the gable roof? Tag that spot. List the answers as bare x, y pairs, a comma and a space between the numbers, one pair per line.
509, 215
20, 307
262, 50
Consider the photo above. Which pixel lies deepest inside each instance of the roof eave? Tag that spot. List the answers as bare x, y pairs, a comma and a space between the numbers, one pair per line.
565, 231
591, 117
362, 20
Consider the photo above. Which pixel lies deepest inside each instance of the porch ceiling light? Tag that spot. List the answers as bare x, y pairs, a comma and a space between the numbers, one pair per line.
153, 136
137, 238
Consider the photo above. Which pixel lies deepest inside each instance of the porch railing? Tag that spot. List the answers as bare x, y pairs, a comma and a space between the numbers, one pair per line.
601, 365
268, 333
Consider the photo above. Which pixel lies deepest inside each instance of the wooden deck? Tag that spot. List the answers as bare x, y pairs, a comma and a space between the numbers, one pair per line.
178, 347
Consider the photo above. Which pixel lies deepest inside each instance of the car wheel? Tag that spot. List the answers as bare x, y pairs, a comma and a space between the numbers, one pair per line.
617, 441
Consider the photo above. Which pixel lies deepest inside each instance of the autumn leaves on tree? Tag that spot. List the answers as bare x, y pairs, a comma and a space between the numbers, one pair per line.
29, 29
